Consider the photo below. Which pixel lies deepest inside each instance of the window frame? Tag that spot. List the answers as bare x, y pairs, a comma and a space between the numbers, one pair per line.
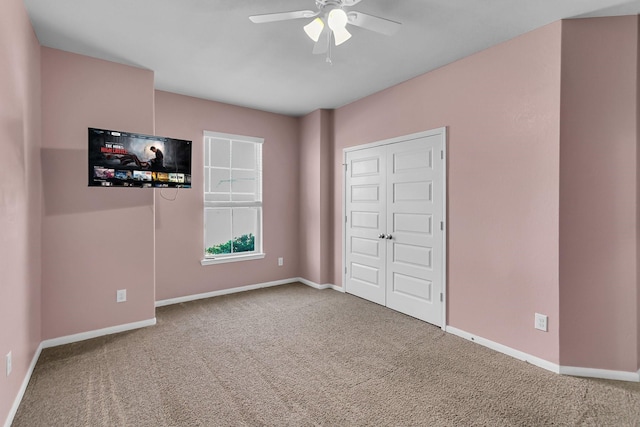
258, 252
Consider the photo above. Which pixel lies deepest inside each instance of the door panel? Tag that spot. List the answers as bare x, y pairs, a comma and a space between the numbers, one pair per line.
412, 255
412, 191
412, 287
365, 193
364, 220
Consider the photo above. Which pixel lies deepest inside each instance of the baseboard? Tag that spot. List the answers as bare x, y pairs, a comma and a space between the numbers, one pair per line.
549, 366
97, 333
195, 297
23, 388
318, 286
505, 350
600, 373
212, 294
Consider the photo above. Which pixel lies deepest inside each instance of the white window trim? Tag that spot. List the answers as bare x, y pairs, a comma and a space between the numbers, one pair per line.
232, 258
226, 258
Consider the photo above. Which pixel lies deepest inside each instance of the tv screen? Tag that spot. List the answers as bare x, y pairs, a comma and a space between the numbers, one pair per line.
125, 159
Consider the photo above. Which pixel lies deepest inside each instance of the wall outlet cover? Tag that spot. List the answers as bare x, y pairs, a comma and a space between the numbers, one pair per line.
541, 322
121, 295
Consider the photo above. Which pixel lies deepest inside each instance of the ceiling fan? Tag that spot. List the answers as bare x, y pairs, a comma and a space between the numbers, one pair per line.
330, 21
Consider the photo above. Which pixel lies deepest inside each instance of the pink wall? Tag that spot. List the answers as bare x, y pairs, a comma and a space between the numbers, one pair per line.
20, 198
94, 240
310, 214
327, 178
598, 194
316, 180
179, 232
501, 107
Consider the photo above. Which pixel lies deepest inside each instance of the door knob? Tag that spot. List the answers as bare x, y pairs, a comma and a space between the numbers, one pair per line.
389, 236
381, 236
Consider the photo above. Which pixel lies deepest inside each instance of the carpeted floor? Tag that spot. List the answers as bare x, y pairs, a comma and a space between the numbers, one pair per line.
295, 356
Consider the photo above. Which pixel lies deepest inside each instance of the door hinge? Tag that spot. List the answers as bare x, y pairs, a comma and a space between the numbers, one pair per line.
441, 297
346, 218
442, 154
441, 225
345, 270
345, 166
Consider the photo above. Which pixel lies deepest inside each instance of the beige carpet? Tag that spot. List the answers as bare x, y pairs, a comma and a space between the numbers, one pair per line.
295, 356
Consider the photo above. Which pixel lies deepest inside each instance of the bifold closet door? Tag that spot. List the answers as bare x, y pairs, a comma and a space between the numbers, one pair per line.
366, 219
415, 188
394, 244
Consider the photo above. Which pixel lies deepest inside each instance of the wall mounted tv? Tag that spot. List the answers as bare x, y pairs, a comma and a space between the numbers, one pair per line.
125, 159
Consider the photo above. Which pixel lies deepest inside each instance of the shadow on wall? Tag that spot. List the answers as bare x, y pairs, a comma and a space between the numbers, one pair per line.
65, 182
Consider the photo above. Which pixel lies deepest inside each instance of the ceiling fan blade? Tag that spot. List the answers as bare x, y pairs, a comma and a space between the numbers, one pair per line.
283, 16
322, 45
349, 3
373, 23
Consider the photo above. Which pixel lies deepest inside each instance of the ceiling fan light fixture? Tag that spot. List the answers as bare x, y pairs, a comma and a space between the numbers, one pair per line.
337, 20
314, 29
341, 36
329, 22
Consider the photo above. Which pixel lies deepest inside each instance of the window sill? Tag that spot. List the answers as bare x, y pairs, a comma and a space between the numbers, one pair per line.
222, 260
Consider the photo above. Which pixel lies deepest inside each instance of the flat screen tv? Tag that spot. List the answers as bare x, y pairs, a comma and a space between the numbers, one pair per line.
125, 159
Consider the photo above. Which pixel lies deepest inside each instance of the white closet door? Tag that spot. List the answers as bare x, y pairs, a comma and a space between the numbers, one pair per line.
365, 222
394, 239
414, 212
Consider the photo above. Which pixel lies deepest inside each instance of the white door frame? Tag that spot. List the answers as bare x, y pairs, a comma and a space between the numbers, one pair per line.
432, 132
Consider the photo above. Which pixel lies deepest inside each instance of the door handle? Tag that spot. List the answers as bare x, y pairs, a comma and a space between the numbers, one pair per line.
381, 236
388, 236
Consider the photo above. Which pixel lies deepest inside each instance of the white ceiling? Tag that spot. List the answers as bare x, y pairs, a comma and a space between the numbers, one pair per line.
209, 48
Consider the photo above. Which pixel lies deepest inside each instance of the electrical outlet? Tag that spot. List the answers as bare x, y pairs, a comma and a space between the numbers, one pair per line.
280, 262
8, 363
541, 322
121, 295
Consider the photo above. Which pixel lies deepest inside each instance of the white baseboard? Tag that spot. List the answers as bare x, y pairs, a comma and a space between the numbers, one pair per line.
23, 388
212, 294
505, 350
195, 297
318, 286
97, 333
600, 373
549, 366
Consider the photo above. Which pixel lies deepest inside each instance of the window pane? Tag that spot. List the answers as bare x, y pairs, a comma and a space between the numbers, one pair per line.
220, 181
243, 155
217, 239
220, 153
243, 182
245, 225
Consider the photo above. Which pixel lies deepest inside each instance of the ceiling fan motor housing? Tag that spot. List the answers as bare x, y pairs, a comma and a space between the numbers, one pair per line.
326, 6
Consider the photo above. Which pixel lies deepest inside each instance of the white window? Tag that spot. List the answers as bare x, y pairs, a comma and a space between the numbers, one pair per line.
232, 198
